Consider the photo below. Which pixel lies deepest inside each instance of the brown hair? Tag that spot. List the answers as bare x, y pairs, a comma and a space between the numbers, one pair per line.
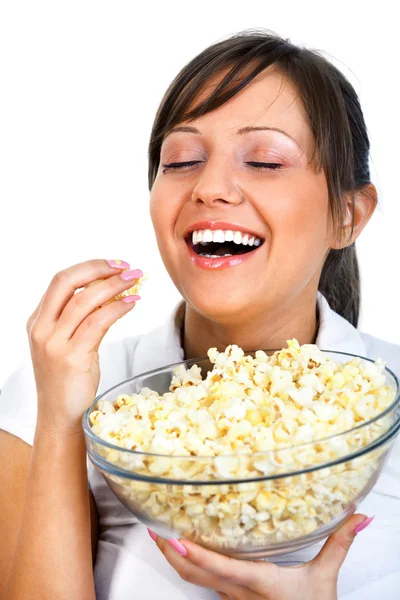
335, 117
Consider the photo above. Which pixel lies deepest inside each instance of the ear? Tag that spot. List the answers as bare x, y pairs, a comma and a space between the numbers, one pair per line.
365, 202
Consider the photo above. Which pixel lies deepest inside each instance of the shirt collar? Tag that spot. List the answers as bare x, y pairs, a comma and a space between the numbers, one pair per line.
335, 333
162, 346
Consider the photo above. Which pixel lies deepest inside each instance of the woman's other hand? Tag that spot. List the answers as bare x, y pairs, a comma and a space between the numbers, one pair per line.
65, 332
259, 580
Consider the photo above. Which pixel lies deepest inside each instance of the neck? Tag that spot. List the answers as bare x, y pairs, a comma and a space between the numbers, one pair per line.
269, 330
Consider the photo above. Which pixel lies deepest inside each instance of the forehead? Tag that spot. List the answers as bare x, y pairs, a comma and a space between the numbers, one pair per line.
270, 99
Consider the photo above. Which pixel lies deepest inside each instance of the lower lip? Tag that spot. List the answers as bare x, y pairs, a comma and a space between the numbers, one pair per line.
221, 262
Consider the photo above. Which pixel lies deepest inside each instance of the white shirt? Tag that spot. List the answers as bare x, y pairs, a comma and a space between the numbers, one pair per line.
128, 563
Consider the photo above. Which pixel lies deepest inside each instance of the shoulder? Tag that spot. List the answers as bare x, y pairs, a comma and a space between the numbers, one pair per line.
387, 351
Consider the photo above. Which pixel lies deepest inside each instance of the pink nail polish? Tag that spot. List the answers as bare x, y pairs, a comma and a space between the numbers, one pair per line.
364, 524
118, 264
177, 546
152, 534
128, 299
130, 275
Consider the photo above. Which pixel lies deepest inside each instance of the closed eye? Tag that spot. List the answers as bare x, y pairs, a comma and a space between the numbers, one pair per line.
255, 165
261, 165
180, 165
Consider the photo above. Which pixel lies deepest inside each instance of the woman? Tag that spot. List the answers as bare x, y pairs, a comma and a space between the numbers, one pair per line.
257, 136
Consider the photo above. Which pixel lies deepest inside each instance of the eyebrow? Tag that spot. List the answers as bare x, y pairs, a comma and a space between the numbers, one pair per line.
188, 129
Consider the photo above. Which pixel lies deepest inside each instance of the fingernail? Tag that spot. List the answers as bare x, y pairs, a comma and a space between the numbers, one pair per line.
118, 264
128, 299
130, 275
177, 546
364, 524
152, 534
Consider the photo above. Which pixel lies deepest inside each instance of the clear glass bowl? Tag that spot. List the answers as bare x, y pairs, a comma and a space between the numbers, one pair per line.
247, 505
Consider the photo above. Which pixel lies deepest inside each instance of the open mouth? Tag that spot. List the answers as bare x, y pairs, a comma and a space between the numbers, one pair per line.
217, 244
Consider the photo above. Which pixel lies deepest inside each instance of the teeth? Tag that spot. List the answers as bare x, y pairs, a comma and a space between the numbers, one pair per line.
218, 236
205, 236
214, 255
237, 237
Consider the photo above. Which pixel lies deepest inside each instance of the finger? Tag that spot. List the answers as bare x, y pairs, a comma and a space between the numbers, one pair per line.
33, 316
193, 574
331, 556
92, 330
241, 572
64, 285
83, 304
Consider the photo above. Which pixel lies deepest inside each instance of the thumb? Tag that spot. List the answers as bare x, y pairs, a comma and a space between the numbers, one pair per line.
334, 551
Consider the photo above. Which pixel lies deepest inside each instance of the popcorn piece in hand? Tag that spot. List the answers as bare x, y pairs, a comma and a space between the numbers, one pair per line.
132, 291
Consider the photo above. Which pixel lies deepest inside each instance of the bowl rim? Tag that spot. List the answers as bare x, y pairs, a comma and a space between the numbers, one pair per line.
89, 432
119, 471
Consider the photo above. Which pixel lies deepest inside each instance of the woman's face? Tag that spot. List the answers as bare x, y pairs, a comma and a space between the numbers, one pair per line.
286, 207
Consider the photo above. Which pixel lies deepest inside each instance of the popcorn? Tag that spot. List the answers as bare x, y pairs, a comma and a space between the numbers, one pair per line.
133, 291
250, 418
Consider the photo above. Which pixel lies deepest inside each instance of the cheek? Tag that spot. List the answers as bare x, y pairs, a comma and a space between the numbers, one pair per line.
299, 214
298, 217
157, 205
164, 210
161, 208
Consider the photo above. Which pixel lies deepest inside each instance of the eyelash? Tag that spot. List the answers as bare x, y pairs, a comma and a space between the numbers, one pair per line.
255, 165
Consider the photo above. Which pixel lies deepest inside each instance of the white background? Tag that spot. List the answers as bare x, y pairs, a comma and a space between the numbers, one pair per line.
80, 86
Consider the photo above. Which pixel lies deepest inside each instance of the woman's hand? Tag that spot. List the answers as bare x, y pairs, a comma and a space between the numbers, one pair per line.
258, 580
65, 332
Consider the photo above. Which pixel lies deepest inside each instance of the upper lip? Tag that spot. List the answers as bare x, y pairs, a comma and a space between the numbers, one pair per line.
223, 225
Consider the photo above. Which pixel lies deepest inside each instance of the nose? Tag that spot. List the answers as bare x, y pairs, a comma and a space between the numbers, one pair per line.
215, 185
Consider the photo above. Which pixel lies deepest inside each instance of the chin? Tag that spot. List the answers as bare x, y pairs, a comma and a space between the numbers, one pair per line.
221, 306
